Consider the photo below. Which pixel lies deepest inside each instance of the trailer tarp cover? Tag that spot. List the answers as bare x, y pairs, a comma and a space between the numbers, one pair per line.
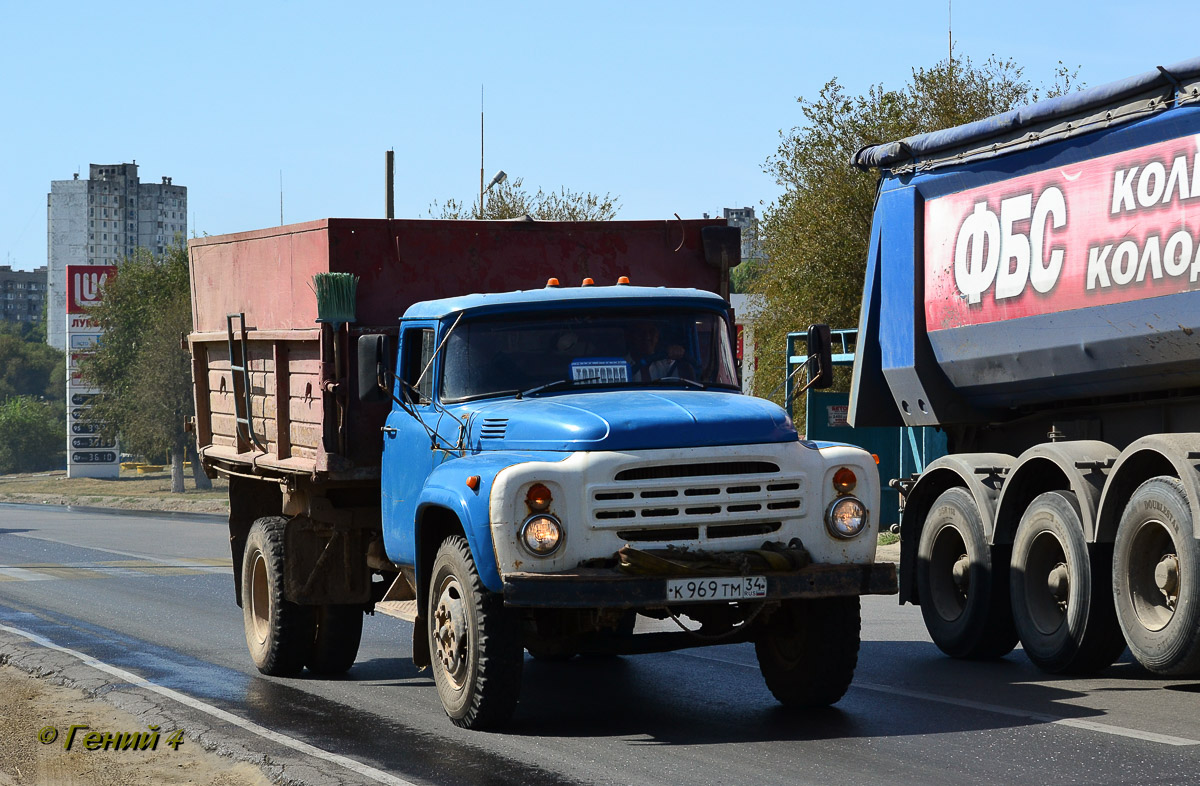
1040, 118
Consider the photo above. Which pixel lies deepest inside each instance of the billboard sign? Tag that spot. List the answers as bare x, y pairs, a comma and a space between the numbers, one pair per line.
89, 453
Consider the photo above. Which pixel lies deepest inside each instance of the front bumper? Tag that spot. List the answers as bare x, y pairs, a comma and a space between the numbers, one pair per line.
596, 588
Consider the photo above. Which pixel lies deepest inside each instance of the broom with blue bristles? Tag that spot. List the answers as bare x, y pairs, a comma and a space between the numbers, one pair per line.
335, 306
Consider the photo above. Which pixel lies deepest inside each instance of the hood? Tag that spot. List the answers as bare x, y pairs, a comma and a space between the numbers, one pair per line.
628, 420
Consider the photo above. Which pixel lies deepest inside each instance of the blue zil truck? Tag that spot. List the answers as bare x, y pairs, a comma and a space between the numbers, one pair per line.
1031, 290
528, 466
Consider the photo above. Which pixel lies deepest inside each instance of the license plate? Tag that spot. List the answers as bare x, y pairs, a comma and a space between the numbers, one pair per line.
729, 588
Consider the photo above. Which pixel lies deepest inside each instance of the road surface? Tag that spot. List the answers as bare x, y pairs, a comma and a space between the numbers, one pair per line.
147, 601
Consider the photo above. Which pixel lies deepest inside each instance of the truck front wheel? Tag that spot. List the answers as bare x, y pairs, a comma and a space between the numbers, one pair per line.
963, 594
279, 633
808, 650
1061, 590
474, 642
1156, 578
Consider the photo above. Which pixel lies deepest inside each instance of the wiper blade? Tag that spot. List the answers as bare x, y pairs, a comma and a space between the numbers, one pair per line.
691, 383
555, 385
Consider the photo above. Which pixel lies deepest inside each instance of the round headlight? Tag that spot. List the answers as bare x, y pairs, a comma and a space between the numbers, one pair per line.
846, 517
542, 534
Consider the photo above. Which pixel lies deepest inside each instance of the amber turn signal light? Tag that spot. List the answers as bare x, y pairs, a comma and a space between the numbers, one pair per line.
844, 480
538, 497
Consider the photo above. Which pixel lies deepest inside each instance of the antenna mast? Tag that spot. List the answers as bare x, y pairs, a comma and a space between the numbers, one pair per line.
481, 151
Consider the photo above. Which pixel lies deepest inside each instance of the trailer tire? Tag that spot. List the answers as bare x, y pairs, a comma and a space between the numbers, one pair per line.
808, 650
1156, 578
338, 634
1061, 590
474, 642
963, 591
279, 633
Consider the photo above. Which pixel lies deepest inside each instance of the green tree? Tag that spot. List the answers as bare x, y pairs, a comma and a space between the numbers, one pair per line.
816, 234
510, 199
29, 367
140, 367
32, 400
32, 437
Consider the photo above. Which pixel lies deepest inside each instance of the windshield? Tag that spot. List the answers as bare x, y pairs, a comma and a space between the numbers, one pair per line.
504, 355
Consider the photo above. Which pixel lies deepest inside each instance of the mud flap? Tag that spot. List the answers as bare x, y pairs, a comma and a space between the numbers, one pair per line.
420, 644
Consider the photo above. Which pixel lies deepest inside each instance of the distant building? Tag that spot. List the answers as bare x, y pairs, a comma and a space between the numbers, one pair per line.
743, 217
102, 220
22, 294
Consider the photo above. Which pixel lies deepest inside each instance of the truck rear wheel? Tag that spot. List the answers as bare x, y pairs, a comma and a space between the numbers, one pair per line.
474, 642
808, 650
279, 633
1061, 590
338, 634
1156, 578
964, 596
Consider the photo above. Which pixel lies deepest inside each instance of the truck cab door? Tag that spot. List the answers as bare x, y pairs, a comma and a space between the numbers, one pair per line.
408, 455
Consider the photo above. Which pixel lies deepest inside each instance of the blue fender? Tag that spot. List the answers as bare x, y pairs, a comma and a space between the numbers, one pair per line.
446, 488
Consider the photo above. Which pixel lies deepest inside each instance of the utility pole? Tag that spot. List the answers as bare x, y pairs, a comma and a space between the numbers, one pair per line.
389, 159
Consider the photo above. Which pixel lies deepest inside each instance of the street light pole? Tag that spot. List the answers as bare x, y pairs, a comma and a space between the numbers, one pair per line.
497, 179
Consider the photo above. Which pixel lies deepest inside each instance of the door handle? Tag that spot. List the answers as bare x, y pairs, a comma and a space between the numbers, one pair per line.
389, 430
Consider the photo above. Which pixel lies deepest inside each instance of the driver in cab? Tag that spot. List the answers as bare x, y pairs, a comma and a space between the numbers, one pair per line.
648, 363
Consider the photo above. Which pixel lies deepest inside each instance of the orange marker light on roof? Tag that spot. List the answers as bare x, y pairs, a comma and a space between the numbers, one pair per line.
623, 280
552, 282
587, 282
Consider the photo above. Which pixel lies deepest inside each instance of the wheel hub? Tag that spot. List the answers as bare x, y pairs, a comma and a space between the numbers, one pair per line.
450, 633
1166, 576
1059, 583
961, 573
260, 599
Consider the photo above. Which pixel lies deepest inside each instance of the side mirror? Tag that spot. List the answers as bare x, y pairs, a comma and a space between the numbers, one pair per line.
372, 367
820, 357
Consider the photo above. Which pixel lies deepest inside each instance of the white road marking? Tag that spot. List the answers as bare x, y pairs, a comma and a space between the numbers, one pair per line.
1078, 723
22, 574
216, 712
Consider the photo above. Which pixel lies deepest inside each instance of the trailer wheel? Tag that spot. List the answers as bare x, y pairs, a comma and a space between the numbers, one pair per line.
475, 643
963, 592
1061, 590
808, 650
279, 633
335, 645
1156, 578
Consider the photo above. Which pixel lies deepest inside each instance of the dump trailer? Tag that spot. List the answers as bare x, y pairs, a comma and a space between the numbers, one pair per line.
419, 412
1031, 289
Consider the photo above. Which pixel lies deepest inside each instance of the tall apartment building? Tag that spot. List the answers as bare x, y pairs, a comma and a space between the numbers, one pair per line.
22, 294
102, 220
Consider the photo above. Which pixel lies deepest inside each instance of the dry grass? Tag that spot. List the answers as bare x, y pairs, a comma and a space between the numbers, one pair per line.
130, 491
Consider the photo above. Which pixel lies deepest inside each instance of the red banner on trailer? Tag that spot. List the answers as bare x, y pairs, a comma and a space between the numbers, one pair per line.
1107, 230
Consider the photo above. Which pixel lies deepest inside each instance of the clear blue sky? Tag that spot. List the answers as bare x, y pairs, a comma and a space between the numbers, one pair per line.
672, 106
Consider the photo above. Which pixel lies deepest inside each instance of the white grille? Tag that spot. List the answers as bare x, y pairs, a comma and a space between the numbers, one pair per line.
692, 502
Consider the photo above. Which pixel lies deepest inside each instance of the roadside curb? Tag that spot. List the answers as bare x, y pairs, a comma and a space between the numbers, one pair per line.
182, 515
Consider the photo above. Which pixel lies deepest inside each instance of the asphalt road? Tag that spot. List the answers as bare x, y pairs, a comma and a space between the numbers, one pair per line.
150, 599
